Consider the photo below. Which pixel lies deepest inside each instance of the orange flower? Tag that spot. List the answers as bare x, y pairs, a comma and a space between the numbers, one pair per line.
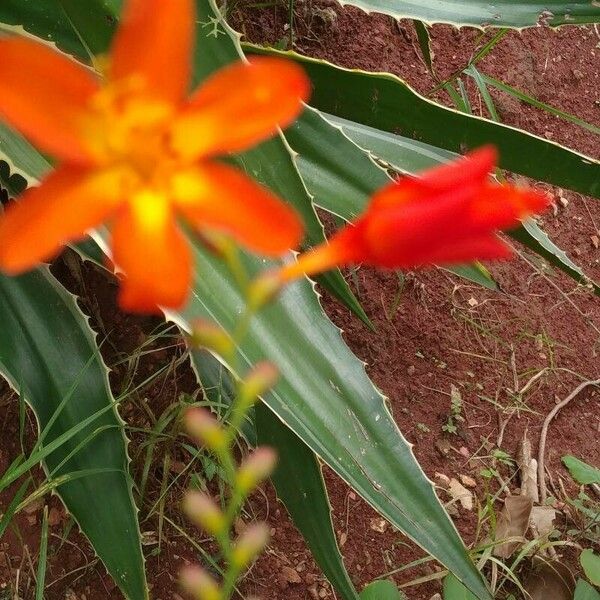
137, 152
448, 215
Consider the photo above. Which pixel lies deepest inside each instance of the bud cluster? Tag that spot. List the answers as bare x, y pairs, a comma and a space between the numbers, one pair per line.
218, 521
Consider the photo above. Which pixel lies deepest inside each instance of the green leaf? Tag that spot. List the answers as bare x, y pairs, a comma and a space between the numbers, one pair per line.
500, 13
321, 380
455, 590
83, 17
581, 472
11, 509
476, 273
382, 590
42, 558
21, 157
338, 173
49, 355
299, 484
42, 18
584, 591
54, 21
472, 71
401, 153
385, 102
590, 563
424, 43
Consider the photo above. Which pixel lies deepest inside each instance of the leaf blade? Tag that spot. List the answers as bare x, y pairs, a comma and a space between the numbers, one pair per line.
590, 563
382, 590
299, 483
387, 103
581, 471
479, 13
36, 313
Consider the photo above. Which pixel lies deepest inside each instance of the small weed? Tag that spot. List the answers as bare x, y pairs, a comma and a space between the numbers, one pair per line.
503, 458
456, 407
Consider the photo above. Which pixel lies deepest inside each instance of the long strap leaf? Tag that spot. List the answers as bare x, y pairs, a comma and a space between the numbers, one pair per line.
385, 102
48, 353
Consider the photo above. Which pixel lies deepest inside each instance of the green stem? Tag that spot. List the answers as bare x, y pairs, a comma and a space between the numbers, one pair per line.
225, 457
235, 416
231, 255
231, 576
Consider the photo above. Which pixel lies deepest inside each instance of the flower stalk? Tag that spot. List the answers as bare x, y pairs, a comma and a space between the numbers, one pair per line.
219, 438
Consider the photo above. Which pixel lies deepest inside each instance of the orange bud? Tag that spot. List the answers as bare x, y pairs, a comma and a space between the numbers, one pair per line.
206, 334
255, 469
250, 544
260, 380
201, 424
201, 509
200, 584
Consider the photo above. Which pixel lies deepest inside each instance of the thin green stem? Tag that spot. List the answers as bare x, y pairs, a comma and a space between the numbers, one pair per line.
231, 255
236, 415
225, 457
243, 326
231, 576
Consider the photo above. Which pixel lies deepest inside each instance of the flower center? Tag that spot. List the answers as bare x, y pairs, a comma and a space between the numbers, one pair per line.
128, 128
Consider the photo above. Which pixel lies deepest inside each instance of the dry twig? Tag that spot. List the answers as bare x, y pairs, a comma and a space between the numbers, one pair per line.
544, 434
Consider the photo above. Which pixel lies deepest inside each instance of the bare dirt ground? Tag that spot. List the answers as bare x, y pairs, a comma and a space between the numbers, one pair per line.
434, 332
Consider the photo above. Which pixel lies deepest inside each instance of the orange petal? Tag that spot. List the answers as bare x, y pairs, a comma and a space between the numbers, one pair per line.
154, 42
45, 96
473, 167
69, 202
240, 106
396, 232
469, 249
155, 258
464, 176
215, 196
503, 206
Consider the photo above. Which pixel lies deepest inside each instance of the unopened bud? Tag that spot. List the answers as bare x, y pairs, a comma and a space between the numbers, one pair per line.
205, 428
206, 334
200, 584
255, 469
263, 289
260, 380
249, 545
201, 509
